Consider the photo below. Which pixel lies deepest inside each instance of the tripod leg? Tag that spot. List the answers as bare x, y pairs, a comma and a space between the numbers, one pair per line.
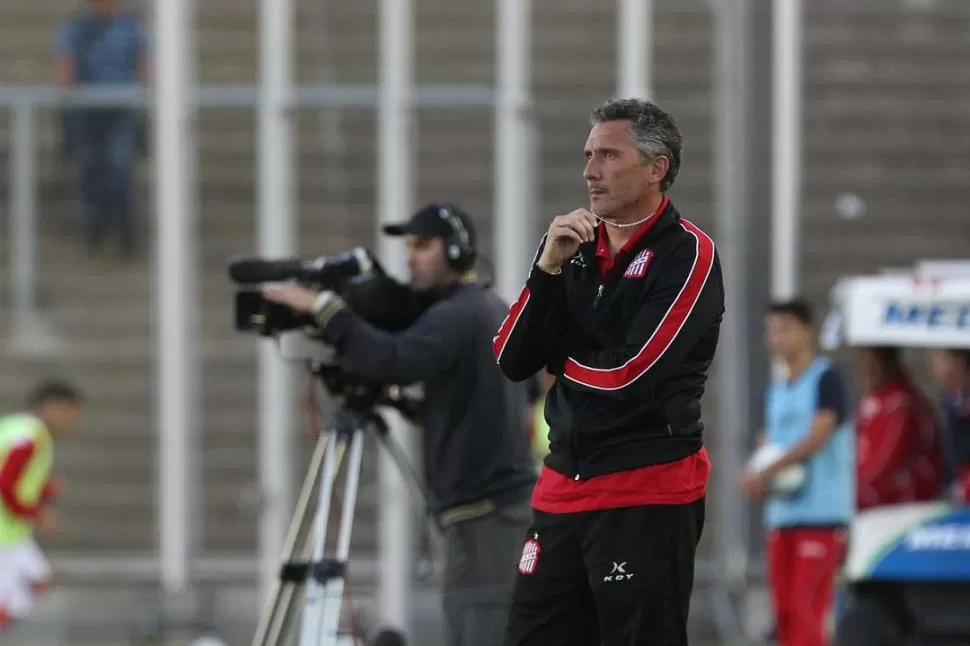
278, 604
304, 536
335, 587
314, 591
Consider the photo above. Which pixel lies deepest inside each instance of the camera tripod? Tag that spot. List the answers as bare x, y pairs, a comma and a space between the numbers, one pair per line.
305, 565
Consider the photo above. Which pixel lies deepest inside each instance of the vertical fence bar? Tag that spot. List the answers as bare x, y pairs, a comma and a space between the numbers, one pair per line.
734, 221
634, 55
515, 168
23, 212
396, 194
787, 147
277, 239
175, 278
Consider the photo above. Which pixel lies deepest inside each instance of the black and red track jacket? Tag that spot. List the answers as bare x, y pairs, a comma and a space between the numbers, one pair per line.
630, 349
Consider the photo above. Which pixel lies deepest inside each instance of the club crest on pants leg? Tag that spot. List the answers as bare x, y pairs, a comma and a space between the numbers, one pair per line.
529, 560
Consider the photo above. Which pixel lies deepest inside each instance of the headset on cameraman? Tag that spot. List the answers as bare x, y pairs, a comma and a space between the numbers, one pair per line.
459, 252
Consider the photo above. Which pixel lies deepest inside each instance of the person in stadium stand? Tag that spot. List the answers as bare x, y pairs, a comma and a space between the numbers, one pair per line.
898, 446
806, 414
950, 369
26, 487
623, 306
103, 44
477, 460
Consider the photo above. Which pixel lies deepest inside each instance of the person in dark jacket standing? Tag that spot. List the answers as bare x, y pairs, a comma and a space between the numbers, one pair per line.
623, 306
477, 459
950, 368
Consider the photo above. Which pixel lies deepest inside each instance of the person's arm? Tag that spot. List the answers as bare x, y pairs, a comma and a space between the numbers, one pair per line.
533, 328
13, 467
65, 69
426, 349
670, 322
830, 413
52, 490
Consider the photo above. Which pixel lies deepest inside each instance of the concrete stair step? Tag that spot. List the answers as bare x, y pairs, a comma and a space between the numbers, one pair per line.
920, 185
896, 102
114, 535
81, 321
216, 13
841, 73
869, 37
108, 352
855, 138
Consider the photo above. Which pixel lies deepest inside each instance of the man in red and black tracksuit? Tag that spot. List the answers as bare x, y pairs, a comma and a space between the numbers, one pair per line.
623, 307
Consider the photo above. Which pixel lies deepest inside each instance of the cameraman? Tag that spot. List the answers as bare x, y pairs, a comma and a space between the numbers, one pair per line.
478, 468
623, 307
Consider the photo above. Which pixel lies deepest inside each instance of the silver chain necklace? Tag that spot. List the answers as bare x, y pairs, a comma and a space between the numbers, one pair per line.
626, 225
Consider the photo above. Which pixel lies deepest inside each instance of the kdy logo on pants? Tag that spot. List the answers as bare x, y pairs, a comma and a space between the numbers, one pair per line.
618, 573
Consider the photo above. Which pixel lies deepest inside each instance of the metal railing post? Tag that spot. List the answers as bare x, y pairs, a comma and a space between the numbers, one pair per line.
23, 212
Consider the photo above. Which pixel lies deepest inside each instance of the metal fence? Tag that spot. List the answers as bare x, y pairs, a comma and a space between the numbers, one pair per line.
22, 104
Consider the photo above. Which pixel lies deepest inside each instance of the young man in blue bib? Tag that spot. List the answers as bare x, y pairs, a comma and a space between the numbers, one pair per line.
806, 415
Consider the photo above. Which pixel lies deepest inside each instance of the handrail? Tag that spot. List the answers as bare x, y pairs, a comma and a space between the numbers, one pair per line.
24, 100
244, 96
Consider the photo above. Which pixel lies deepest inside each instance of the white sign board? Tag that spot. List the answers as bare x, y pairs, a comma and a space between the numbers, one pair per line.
905, 311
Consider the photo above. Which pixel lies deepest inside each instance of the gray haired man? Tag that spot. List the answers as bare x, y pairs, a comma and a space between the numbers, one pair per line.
623, 307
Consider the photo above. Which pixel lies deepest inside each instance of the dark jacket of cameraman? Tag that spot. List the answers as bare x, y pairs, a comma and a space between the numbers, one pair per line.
476, 451
630, 346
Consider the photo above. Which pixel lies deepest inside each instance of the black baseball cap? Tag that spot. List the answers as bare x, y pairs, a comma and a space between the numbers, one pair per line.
431, 221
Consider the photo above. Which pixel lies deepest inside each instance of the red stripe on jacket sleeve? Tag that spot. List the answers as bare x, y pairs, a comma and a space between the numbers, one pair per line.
501, 339
665, 333
13, 468
508, 325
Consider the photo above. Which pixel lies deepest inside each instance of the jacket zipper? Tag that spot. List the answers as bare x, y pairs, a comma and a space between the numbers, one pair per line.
596, 303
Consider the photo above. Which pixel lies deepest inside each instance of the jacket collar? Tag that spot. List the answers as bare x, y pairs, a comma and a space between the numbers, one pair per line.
467, 279
668, 218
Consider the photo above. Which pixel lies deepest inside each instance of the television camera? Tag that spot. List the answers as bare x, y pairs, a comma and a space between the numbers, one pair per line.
390, 306
359, 279
356, 275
